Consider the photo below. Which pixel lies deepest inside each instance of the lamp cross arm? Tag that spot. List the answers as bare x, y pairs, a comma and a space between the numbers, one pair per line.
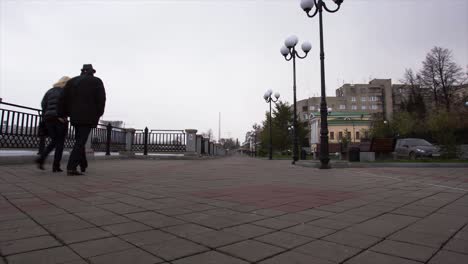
332, 10
301, 57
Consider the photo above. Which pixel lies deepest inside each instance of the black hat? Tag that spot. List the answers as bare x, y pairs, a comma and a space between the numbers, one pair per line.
88, 68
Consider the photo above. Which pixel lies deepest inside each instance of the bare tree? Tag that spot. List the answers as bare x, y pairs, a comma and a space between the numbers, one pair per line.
442, 75
208, 134
414, 102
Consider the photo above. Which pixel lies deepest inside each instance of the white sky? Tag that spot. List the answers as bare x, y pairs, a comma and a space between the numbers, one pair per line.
176, 64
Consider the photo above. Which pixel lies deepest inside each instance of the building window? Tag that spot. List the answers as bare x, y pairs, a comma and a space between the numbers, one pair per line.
312, 108
348, 135
353, 99
366, 134
306, 116
342, 107
354, 107
363, 107
363, 99
374, 107
332, 135
304, 109
357, 135
340, 135
373, 98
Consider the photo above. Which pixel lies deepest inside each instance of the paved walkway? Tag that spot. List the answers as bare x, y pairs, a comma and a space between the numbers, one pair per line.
233, 210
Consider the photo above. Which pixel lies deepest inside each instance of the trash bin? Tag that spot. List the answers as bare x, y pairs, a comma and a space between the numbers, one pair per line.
354, 153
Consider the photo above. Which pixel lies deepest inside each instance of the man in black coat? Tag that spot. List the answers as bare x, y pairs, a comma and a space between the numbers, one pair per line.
84, 100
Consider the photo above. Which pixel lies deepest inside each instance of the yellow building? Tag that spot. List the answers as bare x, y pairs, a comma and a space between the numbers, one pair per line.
353, 126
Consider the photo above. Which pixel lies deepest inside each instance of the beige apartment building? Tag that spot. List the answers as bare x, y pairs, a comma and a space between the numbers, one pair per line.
376, 97
351, 110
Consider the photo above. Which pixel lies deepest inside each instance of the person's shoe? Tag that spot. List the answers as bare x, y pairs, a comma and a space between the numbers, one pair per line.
40, 163
74, 173
57, 170
83, 169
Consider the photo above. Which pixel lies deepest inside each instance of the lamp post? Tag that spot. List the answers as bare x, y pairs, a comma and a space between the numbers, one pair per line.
290, 53
269, 99
319, 6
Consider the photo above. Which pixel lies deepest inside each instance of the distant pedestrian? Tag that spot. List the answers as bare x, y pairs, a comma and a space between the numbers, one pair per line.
85, 100
55, 123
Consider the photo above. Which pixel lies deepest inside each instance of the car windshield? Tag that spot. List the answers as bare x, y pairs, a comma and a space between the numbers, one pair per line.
418, 142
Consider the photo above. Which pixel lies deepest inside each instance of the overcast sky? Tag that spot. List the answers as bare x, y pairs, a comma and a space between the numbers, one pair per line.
176, 64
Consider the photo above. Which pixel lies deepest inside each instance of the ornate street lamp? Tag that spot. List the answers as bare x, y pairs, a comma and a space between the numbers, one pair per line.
269, 99
318, 6
290, 53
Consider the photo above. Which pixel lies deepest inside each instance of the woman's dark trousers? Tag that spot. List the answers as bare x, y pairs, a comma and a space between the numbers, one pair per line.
57, 132
78, 154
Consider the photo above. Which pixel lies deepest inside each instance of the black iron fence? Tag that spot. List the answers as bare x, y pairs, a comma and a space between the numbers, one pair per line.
146, 141
108, 139
19, 129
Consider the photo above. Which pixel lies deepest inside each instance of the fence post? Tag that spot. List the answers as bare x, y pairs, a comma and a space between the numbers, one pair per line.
199, 144
145, 141
206, 146
191, 142
108, 139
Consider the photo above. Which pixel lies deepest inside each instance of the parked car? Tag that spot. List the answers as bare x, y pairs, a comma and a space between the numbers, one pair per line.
415, 148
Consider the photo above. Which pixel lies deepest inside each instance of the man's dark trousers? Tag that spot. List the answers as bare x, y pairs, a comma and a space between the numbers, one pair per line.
78, 154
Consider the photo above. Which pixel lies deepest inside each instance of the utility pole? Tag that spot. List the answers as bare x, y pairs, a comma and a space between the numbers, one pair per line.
219, 128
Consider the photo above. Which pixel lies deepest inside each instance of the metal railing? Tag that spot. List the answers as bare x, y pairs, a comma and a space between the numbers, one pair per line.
146, 140
108, 139
19, 129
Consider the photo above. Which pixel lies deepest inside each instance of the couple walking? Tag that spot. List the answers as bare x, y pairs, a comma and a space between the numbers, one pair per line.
81, 98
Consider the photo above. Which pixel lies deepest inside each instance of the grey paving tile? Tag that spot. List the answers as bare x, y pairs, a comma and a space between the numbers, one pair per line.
17, 223
328, 250
274, 223
66, 226
134, 256
186, 230
447, 257
268, 212
211, 257
297, 218
248, 230
457, 245
384, 225
215, 239
174, 249
292, 257
424, 239
147, 237
108, 220
310, 230
404, 250
121, 208
351, 239
251, 250
125, 228
100, 247
82, 235
21, 232
369, 257
284, 239
45, 256
330, 223
27, 244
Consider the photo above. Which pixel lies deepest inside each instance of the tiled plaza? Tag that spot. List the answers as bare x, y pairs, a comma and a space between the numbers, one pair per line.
231, 211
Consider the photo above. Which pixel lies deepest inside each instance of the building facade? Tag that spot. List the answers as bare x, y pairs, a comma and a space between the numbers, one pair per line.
352, 126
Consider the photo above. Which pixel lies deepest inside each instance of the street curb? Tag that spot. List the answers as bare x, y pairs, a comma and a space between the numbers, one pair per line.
383, 165
15, 160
